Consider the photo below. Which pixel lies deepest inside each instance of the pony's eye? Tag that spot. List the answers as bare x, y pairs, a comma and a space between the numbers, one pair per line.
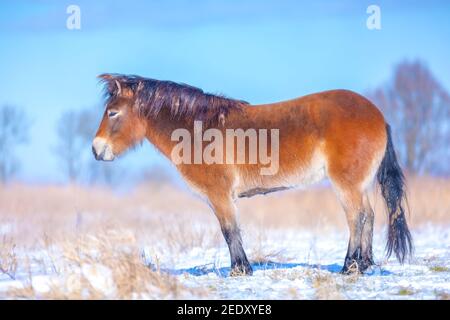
112, 113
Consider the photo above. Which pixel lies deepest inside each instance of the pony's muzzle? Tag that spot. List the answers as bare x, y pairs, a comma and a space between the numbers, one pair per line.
102, 150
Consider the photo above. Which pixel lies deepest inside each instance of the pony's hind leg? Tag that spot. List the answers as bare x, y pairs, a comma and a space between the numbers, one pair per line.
224, 209
360, 223
367, 233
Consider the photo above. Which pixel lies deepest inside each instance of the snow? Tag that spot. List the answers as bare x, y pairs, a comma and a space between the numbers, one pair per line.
100, 278
309, 256
300, 264
6, 228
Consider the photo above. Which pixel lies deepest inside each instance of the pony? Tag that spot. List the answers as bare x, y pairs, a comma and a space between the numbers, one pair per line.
336, 134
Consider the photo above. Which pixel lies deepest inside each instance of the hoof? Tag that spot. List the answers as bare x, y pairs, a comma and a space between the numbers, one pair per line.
351, 268
241, 270
356, 266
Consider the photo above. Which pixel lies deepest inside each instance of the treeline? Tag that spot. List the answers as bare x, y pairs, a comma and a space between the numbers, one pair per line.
413, 101
417, 107
75, 130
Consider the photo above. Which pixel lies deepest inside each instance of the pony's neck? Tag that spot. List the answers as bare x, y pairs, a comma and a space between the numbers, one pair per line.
160, 129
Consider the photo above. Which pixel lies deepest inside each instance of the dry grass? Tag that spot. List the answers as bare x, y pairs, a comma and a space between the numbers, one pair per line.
108, 265
262, 256
428, 199
439, 269
8, 258
326, 287
85, 233
89, 241
58, 209
405, 292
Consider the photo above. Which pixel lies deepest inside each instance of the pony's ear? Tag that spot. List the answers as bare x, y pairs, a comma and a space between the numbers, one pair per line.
106, 76
115, 86
110, 84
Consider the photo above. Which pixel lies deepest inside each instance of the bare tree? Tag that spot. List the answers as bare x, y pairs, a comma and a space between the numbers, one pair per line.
418, 108
13, 132
70, 146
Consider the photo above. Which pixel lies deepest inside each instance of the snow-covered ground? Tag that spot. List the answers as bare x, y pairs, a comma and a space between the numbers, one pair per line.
291, 264
307, 266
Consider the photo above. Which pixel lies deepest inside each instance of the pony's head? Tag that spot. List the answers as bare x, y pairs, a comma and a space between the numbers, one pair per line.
121, 126
133, 100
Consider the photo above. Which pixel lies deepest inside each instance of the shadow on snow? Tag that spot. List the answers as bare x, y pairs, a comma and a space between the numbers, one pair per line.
270, 265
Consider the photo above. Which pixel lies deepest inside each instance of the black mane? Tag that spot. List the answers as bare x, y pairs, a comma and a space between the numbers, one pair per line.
183, 101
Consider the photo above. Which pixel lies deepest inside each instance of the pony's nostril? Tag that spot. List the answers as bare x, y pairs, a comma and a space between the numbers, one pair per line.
94, 152
102, 150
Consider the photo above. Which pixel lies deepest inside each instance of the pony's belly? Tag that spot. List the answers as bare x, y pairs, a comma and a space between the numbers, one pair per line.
309, 177
299, 177
313, 173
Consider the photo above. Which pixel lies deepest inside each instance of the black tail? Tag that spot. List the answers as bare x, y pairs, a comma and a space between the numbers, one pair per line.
392, 183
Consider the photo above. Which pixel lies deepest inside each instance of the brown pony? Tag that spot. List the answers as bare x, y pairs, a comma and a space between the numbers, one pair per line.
336, 134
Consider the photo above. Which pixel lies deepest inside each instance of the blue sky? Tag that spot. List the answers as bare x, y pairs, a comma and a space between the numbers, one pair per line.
256, 50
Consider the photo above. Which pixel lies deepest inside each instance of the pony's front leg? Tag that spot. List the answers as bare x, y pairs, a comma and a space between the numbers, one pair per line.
224, 210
